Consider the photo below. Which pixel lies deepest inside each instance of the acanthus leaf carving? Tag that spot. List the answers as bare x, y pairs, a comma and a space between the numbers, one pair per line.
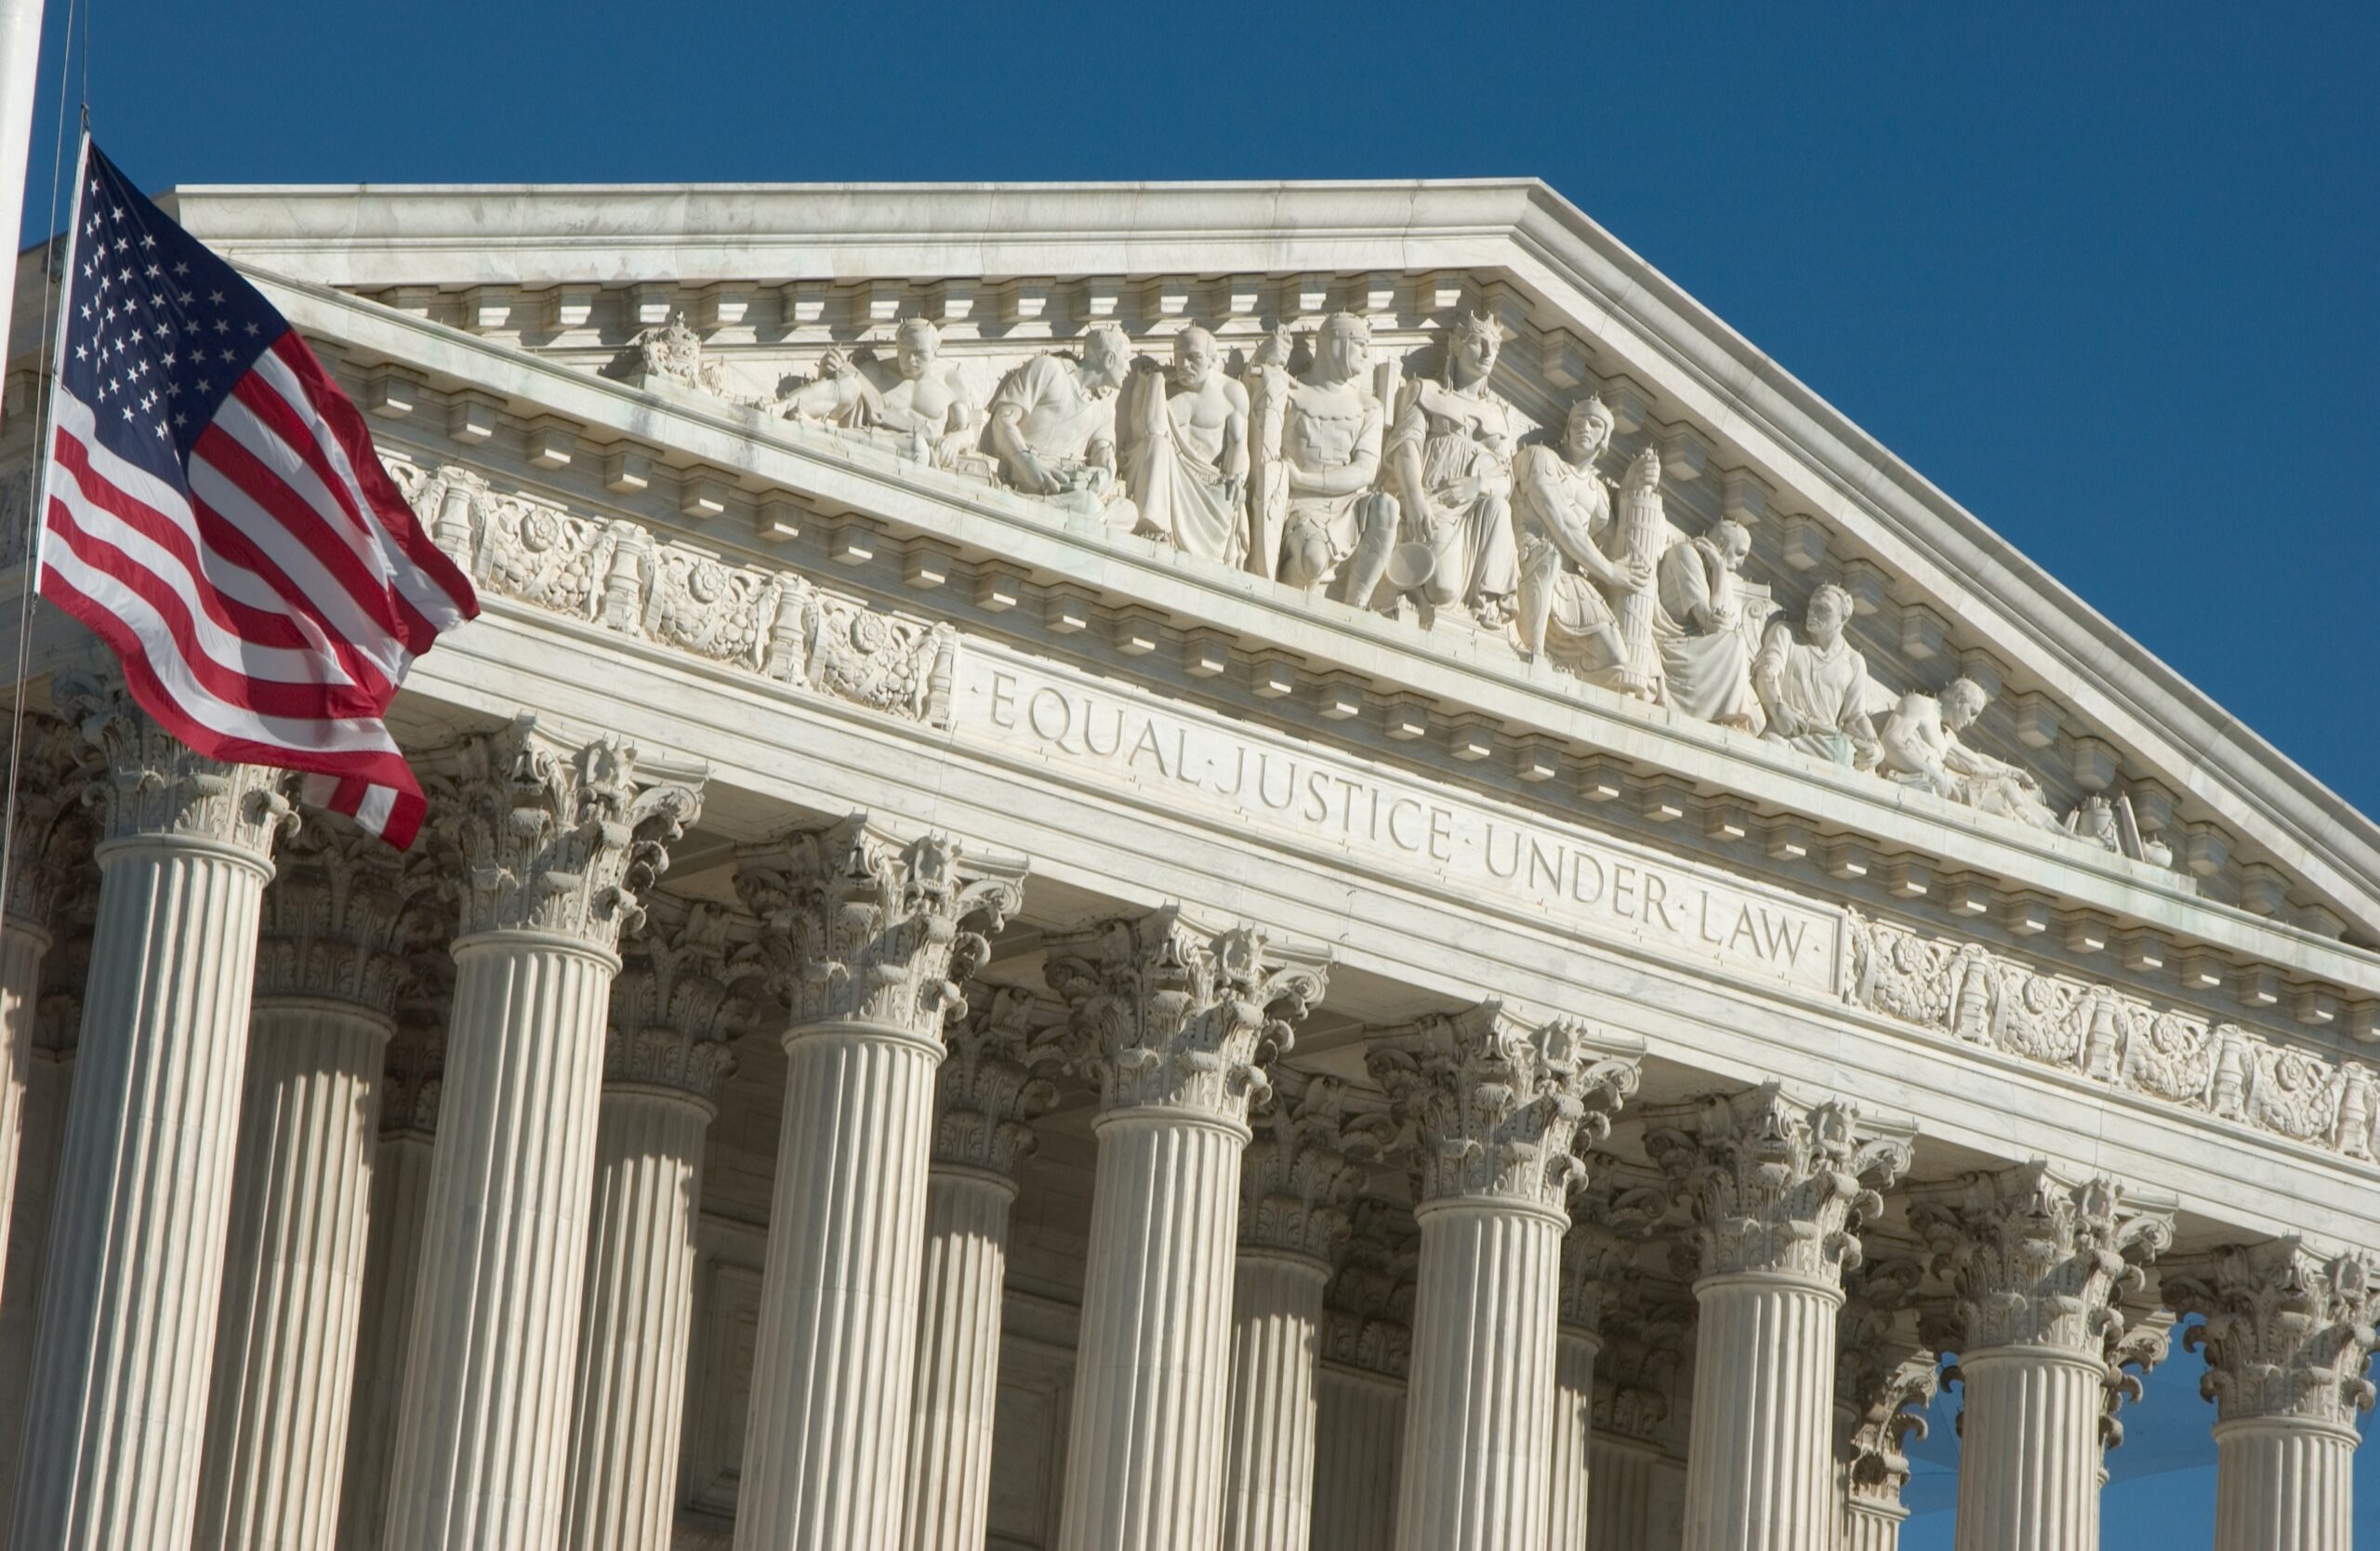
342, 915
1167, 1013
859, 926
1489, 1105
2289, 1329
542, 833
1368, 1306
1885, 1377
1297, 1184
2038, 1259
51, 879
1772, 1184
994, 1082
146, 782
674, 1013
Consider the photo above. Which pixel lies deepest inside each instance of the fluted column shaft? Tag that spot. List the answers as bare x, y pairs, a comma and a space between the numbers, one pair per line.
2028, 1450
22, 947
959, 1288
2285, 1484
1479, 1412
49, 1077
1359, 1433
485, 1423
1760, 1467
636, 1323
834, 1361
1268, 1473
284, 1351
126, 1326
1571, 1468
1145, 1454
401, 1170
1620, 1512
1873, 1526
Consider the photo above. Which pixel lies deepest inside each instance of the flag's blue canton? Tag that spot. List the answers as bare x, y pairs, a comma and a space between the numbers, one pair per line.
158, 329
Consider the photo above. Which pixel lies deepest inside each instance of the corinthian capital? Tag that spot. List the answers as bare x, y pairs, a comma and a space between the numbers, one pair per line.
1368, 1307
1773, 1183
1885, 1377
2037, 1259
1496, 1107
2288, 1331
148, 783
992, 1085
49, 843
413, 1072
546, 834
859, 926
672, 1008
1297, 1186
339, 915
1172, 1014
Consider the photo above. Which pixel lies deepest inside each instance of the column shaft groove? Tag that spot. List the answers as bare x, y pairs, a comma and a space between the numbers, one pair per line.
1760, 1471
1268, 1476
959, 1288
2028, 1450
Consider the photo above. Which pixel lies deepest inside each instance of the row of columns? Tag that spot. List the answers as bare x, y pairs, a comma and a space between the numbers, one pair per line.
200, 1321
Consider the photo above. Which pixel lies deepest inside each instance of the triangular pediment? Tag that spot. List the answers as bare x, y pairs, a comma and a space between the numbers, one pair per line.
790, 300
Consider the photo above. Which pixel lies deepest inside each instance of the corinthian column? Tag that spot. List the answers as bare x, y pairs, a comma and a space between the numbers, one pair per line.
118, 1400
2038, 1262
671, 1016
1885, 1377
411, 1081
2288, 1335
49, 1076
1776, 1191
864, 934
1496, 1110
553, 844
1595, 1260
988, 1091
328, 978
1295, 1187
1630, 1452
1173, 1018
1367, 1341
48, 854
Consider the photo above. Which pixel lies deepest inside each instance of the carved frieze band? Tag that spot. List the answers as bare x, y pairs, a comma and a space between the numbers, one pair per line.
616, 574
2110, 1036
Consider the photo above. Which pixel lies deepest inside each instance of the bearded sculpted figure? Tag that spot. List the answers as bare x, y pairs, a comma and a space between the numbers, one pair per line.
1336, 530
1185, 451
1565, 575
1051, 427
1450, 465
1815, 693
1922, 748
1706, 660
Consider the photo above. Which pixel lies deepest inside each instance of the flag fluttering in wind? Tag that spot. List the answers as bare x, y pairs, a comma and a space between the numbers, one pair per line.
213, 508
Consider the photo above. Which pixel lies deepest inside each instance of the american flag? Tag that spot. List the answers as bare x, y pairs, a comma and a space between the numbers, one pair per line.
214, 510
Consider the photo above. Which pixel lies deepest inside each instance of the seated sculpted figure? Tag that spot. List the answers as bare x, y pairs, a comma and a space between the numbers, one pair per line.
1336, 530
1450, 464
1815, 693
1922, 748
1050, 426
1186, 451
840, 395
1706, 661
1565, 510
929, 406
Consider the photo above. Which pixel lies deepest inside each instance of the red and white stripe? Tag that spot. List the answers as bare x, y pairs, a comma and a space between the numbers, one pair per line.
267, 616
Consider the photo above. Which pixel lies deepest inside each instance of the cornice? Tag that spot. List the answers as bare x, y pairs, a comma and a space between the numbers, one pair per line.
1099, 579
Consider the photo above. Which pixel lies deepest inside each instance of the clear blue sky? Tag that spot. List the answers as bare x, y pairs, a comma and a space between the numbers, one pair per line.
2104, 273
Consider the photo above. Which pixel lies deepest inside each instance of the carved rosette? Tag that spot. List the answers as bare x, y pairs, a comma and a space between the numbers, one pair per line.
2038, 1260
1492, 1106
1368, 1307
50, 876
992, 1085
1169, 1014
672, 1010
2287, 1332
148, 785
1885, 1377
1773, 1185
1297, 1185
339, 917
540, 834
858, 926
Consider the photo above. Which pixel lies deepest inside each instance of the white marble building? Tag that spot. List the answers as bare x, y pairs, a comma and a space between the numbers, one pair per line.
1158, 869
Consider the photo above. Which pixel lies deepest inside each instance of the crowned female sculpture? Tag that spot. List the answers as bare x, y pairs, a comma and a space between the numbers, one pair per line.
1451, 466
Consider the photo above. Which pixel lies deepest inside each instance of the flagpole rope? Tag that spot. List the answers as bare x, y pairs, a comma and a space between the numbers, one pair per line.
45, 387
